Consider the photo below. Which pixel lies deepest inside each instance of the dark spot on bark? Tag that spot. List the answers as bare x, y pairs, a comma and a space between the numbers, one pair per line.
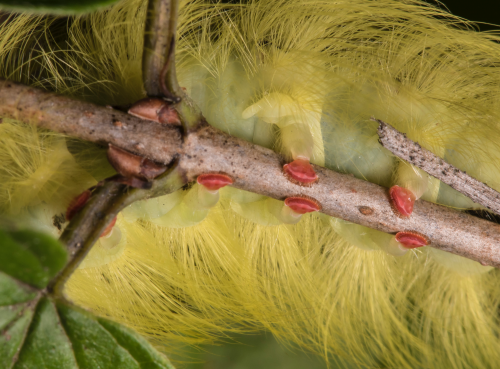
365, 210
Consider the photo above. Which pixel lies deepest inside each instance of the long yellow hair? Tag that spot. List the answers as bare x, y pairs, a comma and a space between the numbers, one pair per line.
182, 274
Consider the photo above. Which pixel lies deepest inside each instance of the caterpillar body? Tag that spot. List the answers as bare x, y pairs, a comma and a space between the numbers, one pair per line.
303, 78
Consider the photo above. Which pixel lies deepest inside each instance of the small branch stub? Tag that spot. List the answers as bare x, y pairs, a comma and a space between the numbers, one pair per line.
156, 110
131, 165
412, 152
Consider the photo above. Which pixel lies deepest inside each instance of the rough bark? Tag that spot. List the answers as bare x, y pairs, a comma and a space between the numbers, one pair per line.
89, 122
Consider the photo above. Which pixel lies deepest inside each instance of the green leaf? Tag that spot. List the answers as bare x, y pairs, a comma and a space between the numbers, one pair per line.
39, 331
12, 292
32, 257
13, 336
46, 346
58, 7
136, 346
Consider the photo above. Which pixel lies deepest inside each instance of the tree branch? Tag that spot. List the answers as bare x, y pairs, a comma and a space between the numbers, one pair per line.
257, 169
89, 122
406, 149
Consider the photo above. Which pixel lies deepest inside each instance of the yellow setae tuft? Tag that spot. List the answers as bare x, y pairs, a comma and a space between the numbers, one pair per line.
302, 77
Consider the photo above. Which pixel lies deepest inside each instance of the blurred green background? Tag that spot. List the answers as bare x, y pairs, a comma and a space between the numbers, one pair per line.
249, 352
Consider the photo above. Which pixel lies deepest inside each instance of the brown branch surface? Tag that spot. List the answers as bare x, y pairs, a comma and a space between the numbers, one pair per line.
259, 170
406, 149
89, 122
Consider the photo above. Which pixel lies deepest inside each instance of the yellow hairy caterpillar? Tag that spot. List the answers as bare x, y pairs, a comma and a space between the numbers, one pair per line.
302, 77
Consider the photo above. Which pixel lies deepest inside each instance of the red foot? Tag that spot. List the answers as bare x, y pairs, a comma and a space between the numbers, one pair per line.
109, 228
214, 181
78, 203
412, 240
402, 200
302, 205
301, 172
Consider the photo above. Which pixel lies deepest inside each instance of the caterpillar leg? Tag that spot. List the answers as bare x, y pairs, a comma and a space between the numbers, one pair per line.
300, 132
411, 184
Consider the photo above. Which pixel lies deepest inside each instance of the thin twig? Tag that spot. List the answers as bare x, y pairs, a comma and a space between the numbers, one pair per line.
105, 203
257, 169
406, 149
158, 38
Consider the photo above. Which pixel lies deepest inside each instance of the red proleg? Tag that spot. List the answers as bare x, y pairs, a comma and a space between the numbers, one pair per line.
78, 203
302, 205
402, 200
411, 240
214, 181
301, 172
109, 228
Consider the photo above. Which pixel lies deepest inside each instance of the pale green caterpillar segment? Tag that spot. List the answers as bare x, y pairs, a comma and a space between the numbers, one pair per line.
416, 180
200, 198
281, 212
367, 239
222, 95
152, 208
458, 264
181, 215
300, 127
256, 208
353, 147
178, 209
239, 196
355, 234
258, 211
107, 249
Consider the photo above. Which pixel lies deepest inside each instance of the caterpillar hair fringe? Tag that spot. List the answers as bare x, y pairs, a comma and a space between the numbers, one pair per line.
302, 77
